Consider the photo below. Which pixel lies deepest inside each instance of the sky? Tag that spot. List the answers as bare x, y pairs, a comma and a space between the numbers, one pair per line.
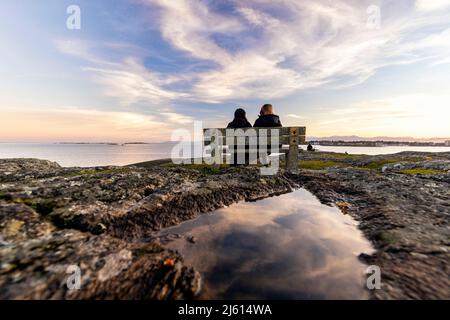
136, 70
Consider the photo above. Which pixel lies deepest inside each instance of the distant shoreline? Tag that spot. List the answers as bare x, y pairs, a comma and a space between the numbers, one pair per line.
325, 143
374, 144
109, 143
314, 143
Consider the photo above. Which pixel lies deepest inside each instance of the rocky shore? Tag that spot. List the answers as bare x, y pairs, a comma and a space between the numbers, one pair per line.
104, 220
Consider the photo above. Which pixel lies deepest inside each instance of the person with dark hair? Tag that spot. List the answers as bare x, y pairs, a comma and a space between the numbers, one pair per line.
240, 120
267, 118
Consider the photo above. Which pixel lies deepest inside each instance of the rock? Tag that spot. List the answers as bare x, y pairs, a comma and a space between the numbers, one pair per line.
19, 169
104, 221
34, 265
3, 242
190, 238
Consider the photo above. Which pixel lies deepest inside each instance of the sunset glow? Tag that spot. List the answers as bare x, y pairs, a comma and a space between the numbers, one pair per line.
137, 70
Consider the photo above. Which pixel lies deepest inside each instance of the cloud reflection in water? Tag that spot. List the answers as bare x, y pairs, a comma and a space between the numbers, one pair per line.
285, 247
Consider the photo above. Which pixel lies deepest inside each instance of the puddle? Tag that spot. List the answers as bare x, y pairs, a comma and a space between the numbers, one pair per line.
285, 247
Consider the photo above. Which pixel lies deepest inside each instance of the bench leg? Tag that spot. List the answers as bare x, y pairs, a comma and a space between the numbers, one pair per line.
292, 160
292, 156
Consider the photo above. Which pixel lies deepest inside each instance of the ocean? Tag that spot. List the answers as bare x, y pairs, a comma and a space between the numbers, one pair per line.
89, 155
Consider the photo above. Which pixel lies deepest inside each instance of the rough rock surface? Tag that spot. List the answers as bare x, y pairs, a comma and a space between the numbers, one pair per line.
36, 258
104, 220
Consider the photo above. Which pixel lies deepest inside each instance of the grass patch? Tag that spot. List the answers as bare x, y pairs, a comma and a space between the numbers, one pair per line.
6, 197
340, 156
416, 159
420, 171
349, 156
203, 168
43, 208
318, 164
387, 238
378, 164
81, 173
206, 168
152, 163
94, 172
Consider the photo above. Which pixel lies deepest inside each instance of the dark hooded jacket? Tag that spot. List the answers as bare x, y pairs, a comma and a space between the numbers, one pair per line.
268, 120
239, 123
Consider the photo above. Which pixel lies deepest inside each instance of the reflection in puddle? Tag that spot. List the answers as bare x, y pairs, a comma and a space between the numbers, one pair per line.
285, 247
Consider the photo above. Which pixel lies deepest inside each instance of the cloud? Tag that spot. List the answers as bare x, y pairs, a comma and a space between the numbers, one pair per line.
261, 49
258, 18
295, 116
177, 118
317, 43
99, 53
131, 83
403, 115
188, 25
429, 5
79, 49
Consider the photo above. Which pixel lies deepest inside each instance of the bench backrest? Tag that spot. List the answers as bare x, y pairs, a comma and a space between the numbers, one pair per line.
287, 135
292, 136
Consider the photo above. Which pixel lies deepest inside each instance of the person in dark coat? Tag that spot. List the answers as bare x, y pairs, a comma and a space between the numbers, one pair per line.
267, 118
240, 120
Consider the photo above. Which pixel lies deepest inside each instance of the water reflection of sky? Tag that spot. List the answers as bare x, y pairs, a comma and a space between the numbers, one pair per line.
286, 247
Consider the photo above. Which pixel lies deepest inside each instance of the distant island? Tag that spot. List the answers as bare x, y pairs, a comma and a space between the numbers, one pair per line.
136, 143
105, 143
351, 141
430, 141
365, 143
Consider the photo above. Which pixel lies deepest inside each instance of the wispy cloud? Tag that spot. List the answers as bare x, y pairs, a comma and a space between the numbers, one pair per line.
295, 116
263, 49
415, 114
317, 43
131, 82
429, 5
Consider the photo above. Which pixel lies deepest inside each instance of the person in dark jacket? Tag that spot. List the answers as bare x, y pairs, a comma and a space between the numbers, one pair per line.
240, 120
267, 118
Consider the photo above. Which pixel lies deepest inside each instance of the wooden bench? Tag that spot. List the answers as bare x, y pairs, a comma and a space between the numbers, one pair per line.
290, 136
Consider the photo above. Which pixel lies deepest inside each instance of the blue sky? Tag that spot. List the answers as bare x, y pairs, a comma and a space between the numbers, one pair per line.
138, 69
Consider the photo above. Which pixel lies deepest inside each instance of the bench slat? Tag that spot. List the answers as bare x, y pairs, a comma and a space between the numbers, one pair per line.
283, 130
291, 136
282, 140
